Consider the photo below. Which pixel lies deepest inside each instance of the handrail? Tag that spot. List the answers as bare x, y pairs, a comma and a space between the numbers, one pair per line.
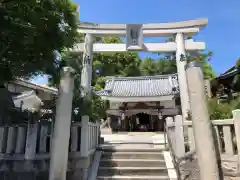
174, 157
176, 160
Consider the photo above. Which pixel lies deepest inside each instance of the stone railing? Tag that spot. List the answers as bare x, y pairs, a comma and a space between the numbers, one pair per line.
226, 132
34, 140
31, 144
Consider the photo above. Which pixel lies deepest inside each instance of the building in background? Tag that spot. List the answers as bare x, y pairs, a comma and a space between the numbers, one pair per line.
30, 96
224, 88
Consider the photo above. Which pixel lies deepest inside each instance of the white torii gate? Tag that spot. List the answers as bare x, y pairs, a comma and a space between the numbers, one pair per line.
135, 34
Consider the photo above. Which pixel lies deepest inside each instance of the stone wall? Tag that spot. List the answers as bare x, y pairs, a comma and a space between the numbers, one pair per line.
20, 169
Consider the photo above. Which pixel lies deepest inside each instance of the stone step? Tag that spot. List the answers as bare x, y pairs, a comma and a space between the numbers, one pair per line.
133, 155
132, 163
129, 171
132, 178
106, 131
134, 147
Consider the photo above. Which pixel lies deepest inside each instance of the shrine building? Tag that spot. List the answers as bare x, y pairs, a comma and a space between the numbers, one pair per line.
141, 101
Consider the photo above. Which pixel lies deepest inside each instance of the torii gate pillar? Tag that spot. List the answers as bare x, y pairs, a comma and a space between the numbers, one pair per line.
181, 63
86, 75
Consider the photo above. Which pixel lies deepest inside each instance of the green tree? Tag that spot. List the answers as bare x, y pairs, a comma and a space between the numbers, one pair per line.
116, 64
31, 33
167, 64
204, 59
148, 67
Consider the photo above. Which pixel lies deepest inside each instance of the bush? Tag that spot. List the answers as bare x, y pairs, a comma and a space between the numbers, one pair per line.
219, 111
235, 104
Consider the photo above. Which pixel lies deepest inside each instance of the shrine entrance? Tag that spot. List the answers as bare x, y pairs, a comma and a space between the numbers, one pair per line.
143, 122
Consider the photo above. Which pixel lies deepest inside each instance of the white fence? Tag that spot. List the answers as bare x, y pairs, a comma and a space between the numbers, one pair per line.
226, 133
34, 140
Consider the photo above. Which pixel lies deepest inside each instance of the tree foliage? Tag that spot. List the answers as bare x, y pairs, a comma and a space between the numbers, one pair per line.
219, 110
116, 64
31, 32
167, 64
222, 110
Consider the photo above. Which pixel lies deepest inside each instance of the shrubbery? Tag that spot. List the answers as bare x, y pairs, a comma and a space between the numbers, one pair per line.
222, 110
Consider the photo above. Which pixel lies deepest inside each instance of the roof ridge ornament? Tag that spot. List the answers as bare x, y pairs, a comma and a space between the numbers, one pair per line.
110, 78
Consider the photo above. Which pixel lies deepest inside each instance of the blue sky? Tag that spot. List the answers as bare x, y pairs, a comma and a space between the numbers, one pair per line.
221, 35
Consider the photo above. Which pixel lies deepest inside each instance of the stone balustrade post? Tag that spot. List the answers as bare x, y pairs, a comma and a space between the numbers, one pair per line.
61, 133
21, 139
179, 136
84, 146
31, 141
3, 139
43, 139
30, 148
98, 133
84, 136
74, 138
202, 126
171, 132
236, 120
11, 140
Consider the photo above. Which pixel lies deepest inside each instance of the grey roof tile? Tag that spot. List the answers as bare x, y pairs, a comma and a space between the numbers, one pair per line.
142, 86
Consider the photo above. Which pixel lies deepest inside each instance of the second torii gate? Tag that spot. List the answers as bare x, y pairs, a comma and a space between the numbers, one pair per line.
135, 34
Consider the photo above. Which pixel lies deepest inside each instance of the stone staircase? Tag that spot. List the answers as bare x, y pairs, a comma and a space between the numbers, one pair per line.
132, 163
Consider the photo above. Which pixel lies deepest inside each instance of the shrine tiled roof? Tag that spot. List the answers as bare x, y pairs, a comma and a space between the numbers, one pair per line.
231, 72
141, 86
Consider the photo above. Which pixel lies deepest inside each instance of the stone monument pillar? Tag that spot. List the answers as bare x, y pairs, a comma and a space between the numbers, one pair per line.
61, 133
202, 126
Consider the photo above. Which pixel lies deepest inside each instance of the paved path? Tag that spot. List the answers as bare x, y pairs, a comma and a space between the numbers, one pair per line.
133, 138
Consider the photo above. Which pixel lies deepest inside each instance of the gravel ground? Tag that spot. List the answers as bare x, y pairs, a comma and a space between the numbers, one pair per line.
190, 170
